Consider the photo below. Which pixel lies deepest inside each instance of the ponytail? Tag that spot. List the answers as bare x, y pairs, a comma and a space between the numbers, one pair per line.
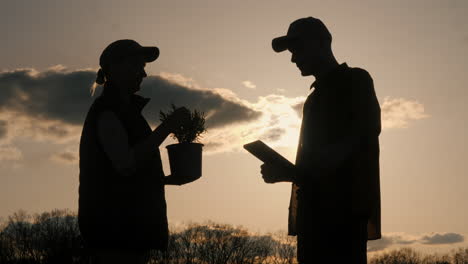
100, 80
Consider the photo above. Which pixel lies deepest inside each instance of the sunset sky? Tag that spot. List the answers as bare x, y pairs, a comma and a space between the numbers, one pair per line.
216, 56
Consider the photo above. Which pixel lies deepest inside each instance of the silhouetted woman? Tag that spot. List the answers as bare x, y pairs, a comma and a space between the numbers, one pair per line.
122, 207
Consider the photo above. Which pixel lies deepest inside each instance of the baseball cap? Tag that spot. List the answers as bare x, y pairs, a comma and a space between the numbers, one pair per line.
308, 27
124, 48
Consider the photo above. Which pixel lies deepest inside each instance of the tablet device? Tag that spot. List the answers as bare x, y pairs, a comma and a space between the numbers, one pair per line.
266, 154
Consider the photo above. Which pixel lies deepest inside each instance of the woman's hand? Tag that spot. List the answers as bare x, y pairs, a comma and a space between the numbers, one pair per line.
144, 150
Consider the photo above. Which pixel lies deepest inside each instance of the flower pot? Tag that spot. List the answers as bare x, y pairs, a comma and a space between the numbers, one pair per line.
185, 160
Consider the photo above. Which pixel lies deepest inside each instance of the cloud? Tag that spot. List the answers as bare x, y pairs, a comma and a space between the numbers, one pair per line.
278, 126
395, 112
249, 84
67, 157
58, 94
298, 108
273, 134
377, 245
281, 90
51, 95
52, 104
446, 238
395, 239
391, 239
10, 153
222, 106
3, 128
398, 112
20, 124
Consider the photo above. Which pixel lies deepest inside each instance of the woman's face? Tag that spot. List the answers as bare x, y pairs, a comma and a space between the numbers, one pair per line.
128, 74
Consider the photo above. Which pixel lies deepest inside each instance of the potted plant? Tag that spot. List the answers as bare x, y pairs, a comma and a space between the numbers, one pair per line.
185, 157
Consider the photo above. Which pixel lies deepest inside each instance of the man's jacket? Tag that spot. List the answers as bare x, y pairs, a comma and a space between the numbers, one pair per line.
341, 121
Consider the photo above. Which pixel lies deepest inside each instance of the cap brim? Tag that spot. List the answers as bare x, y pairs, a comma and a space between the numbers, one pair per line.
280, 44
150, 54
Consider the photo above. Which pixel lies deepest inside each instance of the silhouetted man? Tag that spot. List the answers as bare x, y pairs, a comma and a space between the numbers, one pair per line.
335, 199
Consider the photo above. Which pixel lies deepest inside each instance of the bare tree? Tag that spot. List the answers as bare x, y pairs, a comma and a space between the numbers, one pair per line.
50, 237
460, 256
284, 250
53, 237
402, 256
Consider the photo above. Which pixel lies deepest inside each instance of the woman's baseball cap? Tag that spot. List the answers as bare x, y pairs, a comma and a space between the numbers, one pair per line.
124, 48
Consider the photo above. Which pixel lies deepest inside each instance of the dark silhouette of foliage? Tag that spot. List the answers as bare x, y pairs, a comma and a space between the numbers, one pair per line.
190, 132
50, 237
460, 256
402, 256
410, 256
53, 237
213, 243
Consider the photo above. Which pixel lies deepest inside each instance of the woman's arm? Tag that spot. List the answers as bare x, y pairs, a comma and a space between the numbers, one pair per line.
143, 151
114, 139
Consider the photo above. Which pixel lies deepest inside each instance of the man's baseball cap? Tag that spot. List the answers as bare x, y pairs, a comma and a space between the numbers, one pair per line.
124, 48
308, 27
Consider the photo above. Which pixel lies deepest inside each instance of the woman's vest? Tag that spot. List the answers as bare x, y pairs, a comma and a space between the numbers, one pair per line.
117, 211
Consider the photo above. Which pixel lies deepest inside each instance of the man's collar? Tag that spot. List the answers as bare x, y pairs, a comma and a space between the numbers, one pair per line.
328, 75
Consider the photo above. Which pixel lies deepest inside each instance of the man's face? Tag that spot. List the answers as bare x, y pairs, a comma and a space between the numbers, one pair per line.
307, 54
129, 73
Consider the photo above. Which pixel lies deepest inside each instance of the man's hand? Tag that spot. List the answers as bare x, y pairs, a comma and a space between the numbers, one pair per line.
273, 174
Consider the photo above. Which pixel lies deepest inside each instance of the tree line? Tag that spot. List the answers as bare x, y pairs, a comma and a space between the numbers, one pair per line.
54, 237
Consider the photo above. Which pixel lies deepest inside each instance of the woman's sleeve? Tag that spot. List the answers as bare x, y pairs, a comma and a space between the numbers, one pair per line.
114, 140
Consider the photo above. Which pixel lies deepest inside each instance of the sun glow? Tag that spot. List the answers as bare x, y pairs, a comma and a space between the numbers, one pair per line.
278, 126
